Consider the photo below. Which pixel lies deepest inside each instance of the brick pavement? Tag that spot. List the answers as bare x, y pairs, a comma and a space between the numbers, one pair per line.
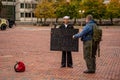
31, 45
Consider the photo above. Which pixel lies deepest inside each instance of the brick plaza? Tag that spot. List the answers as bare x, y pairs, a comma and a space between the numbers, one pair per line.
31, 45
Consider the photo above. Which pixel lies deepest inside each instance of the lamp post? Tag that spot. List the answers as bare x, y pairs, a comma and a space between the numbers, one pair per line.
81, 12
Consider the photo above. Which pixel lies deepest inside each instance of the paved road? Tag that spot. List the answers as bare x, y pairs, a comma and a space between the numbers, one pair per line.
31, 45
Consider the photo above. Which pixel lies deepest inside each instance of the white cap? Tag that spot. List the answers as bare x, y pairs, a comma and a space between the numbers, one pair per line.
66, 17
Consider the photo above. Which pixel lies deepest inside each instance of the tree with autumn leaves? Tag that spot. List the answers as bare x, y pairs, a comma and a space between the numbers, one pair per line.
57, 9
113, 10
94, 7
50, 9
69, 9
45, 10
100, 10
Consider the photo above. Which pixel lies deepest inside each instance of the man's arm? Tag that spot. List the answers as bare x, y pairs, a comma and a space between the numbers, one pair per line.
84, 32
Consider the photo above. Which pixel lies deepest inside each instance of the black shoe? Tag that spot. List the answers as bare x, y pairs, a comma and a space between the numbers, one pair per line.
63, 66
89, 72
70, 66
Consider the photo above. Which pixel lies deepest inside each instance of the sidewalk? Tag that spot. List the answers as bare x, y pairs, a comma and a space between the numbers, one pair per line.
32, 46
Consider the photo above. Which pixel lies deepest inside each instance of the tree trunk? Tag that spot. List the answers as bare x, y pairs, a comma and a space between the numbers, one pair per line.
56, 20
75, 21
111, 19
45, 20
100, 21
37, 20
40, 22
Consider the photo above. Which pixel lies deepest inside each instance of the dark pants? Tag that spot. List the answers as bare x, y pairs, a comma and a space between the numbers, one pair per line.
66, 58
90, 48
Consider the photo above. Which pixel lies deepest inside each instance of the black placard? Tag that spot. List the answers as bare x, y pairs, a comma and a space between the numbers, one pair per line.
61, 40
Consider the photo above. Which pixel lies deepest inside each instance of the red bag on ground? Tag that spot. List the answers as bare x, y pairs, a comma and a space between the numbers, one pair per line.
19, 67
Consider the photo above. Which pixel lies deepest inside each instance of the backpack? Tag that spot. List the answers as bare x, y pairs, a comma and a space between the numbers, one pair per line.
19, 67
97, 37
97, 33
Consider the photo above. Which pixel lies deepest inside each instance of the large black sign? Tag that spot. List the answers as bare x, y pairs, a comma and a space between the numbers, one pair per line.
61, 40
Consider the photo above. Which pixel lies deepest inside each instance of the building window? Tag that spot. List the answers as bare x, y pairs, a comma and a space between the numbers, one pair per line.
10, 0
28, 5
34, 6
27, 15
33, 15
25, 5
22, 5
22, 14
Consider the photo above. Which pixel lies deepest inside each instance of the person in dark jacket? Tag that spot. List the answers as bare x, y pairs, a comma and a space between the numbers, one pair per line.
66, 55
11, 23
89, 48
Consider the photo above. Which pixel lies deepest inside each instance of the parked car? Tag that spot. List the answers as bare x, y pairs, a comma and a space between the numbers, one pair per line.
3, 24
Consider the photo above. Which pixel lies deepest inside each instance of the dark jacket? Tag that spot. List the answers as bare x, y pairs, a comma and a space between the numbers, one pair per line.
69, 26
87, 32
